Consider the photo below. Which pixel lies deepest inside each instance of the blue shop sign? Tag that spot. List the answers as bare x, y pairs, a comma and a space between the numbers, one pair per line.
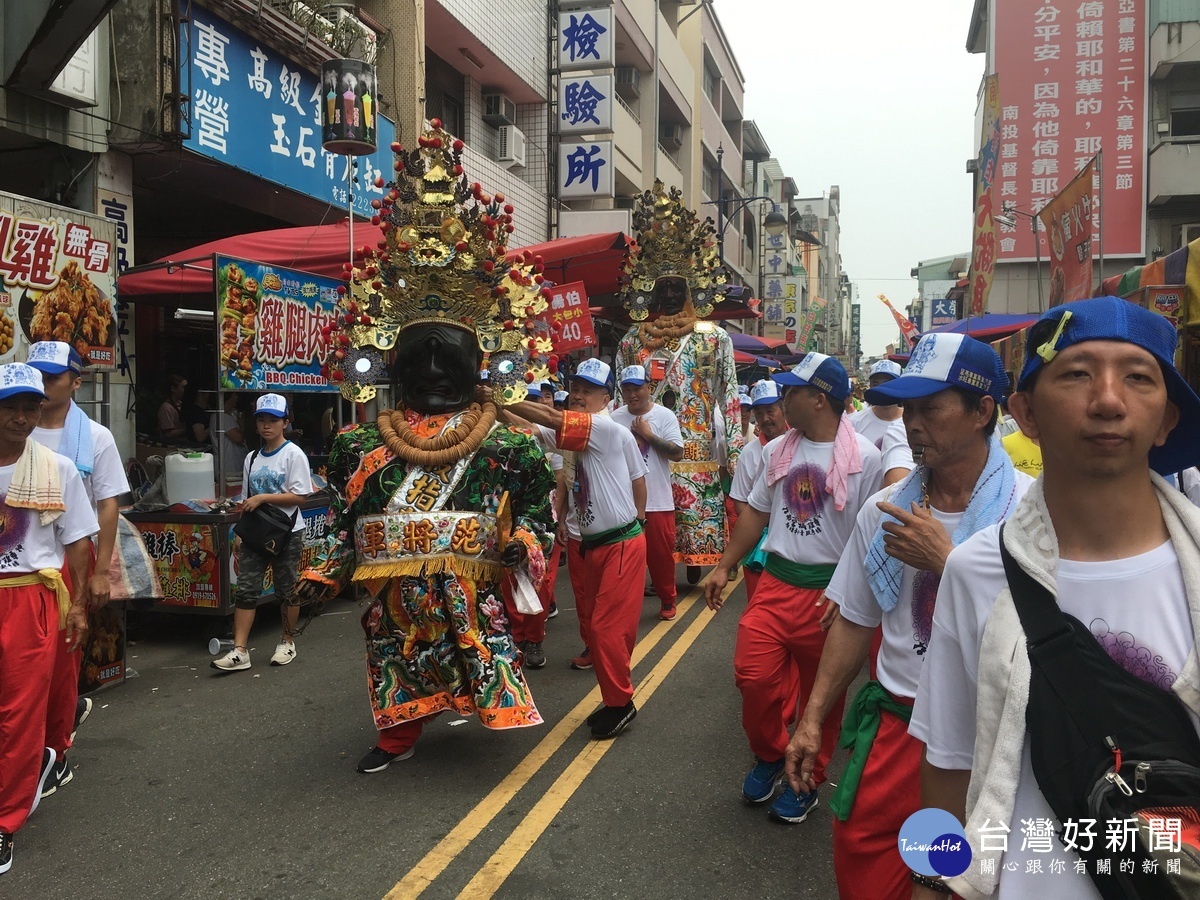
256, 111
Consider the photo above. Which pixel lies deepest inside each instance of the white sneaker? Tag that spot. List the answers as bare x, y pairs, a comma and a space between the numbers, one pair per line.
284, 654
233, 661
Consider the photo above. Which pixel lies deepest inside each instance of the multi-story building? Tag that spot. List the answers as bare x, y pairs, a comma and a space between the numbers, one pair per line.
819, 231
1130, 66
935, 279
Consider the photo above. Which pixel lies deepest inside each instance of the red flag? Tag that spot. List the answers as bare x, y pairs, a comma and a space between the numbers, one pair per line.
1068, 220
909, 330
983, 244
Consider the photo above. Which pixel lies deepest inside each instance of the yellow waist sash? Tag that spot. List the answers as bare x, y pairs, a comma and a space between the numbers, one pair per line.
51, 578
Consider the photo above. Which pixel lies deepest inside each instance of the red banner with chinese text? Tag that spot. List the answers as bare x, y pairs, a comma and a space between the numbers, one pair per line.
1068, 220
1074, 84
570, 318
907, 328
983, 242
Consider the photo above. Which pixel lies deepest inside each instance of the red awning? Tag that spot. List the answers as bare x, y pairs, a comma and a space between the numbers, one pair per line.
594, 259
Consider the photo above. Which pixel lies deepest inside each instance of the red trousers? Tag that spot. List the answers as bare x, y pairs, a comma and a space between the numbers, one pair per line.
660, 554
401, 738
779, 642
751, 578
866, 859
532, 627
64, 684
28, 632
608, 598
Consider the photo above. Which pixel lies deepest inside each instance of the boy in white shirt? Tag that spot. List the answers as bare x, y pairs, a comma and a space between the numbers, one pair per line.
1115, 546
815, 478
277, 474
660, 441
608, 559
66, 429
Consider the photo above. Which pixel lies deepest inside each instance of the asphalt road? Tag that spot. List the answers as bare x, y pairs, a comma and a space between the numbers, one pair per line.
195, 784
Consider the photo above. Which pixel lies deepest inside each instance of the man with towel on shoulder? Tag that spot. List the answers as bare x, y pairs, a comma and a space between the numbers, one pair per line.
66, 429
889, 575
45, 519
815, 478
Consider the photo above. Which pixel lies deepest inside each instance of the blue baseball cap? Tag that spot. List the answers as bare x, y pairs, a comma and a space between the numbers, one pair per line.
18, 378
635, 375
1114, 319
822, 372
941, 361
271, 405
764, 393
55, 357
884, 367
595, 371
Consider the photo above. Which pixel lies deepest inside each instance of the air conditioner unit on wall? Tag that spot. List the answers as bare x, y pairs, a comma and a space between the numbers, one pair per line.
629, 82
499, 110
671, 136
1189, 233
512, 146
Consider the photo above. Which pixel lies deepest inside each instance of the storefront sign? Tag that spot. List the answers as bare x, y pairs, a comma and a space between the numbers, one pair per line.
942, 312
118, 209
571, 326
585, 169
585, 104
269, 322
187, 562
586, 39
56, 280
252, 109
1074, 85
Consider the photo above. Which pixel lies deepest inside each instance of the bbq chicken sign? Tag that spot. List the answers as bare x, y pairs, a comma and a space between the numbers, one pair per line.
56, 281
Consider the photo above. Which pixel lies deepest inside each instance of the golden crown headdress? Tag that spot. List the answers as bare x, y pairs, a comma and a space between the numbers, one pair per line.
671, 241
442, 260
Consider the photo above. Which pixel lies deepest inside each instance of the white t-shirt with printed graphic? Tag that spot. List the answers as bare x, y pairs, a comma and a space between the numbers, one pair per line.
664, 425
25, 544
107, 479
749, 469
281, 471
897, 454
602, 495
906, 629
1136, 608
805, 526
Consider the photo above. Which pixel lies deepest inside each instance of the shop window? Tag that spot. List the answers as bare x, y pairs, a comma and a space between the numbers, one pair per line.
444, 94
1185, 122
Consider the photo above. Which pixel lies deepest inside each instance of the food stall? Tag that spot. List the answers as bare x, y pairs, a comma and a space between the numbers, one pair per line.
266, 322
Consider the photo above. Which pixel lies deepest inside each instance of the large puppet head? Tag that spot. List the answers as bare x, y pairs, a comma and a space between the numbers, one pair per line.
442, 273
674, 260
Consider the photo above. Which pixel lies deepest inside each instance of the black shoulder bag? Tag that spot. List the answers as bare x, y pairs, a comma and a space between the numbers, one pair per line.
1108, 746
266, 529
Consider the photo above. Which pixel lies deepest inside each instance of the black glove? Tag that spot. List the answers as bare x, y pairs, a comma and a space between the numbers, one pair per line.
514, 554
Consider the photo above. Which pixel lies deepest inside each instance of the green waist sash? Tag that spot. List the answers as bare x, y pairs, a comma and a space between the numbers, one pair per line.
801, 575
858, 732
612, 536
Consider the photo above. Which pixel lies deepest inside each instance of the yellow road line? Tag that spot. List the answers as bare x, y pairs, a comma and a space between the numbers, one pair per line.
423, 874
497, 869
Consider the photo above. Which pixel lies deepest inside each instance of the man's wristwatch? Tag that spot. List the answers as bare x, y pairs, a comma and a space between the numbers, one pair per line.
934, 884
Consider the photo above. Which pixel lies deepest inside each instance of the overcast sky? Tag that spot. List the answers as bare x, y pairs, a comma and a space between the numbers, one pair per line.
877, 97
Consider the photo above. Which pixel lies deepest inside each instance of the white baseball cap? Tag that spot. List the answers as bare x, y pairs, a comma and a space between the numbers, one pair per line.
560, 396
764, 393
18, 378
55, 357
633, 375
884, 367
271, 405
594, 371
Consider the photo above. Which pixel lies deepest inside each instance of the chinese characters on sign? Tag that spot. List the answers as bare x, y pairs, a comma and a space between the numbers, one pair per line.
585, 39
269, 322
253, 110
585, 169
983, 244
570, 319
56, 280
1068, 219
943, 312
585, 104
1074, 85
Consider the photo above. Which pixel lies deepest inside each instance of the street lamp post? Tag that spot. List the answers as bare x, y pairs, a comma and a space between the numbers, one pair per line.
774, 224
1008, 220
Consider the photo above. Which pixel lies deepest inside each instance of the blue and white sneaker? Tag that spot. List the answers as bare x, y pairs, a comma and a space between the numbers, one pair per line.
760, 782
792, 808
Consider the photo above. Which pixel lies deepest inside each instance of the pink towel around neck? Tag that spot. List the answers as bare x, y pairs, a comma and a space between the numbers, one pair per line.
847, 461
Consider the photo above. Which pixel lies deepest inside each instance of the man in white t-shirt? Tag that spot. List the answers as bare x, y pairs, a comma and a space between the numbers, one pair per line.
1116, 547
815, 478
888, 575
47, 521
883, 425
66, 429
660, 441
767, 406
607, 560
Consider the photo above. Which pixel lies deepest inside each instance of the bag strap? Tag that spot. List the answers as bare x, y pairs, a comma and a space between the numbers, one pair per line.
253, 456
1052, 651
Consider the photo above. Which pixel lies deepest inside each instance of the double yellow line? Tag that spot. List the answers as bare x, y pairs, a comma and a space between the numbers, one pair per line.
501, 864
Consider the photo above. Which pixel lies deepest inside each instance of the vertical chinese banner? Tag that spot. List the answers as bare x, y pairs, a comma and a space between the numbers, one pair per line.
1074, 83
810, 321
983, 243
907, 328
1068, 220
